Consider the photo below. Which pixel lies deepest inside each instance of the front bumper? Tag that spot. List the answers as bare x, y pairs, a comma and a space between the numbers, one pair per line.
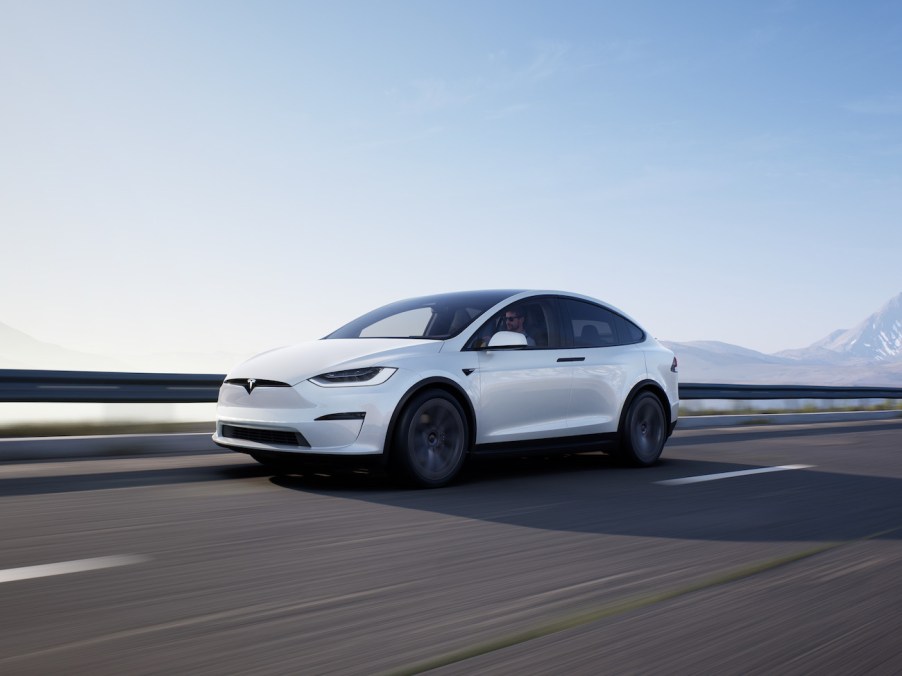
305, 419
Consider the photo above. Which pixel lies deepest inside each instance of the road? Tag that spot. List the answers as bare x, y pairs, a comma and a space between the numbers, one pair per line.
207, 564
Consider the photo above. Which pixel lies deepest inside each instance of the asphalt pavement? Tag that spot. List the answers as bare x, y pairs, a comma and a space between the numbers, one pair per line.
762, 550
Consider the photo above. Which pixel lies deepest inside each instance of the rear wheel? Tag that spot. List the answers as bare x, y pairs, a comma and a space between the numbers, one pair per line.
645, 431
431, 440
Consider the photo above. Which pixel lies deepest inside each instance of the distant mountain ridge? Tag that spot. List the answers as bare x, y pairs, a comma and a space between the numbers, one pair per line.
18, 350
868, 354
698, 363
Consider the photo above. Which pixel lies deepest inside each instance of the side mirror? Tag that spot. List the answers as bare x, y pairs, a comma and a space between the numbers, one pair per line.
507, 340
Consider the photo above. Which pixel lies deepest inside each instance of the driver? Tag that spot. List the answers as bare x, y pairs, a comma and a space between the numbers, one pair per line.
515, 320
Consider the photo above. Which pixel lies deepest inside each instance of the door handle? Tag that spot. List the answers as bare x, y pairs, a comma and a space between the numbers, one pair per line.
560, 359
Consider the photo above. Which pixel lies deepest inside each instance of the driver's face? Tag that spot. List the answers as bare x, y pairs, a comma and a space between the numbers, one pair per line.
513, 321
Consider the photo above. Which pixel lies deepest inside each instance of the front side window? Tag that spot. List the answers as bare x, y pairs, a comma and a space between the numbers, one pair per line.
536, 318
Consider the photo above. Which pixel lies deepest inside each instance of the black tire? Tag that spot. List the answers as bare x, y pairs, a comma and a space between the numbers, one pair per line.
644, 431
430, 440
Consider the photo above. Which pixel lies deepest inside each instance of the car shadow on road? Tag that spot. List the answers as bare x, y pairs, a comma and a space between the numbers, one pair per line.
592, 494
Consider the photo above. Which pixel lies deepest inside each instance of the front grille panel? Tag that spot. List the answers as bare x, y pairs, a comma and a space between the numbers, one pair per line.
262, 436
243, 382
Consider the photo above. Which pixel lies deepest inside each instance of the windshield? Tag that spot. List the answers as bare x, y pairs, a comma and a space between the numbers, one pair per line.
432, 317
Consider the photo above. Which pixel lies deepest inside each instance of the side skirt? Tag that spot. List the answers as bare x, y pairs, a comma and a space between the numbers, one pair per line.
578, 444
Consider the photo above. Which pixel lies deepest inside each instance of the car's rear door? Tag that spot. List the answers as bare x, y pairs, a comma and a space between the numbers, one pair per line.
605, 368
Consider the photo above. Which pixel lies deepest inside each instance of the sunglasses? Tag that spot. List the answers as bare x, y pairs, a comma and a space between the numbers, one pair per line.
513, 318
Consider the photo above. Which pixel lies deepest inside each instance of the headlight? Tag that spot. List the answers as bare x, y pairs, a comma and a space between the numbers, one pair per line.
375, 375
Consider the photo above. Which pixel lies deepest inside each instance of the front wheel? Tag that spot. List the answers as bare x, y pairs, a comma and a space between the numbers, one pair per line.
645, 431
431, 440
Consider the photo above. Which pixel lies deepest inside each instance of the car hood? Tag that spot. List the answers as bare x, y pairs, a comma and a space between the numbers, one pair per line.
295, 363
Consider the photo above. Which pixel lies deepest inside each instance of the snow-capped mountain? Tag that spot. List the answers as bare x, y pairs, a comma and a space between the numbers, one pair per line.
877, 339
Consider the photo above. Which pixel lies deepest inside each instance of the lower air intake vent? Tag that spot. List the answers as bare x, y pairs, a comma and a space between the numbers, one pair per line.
264, 436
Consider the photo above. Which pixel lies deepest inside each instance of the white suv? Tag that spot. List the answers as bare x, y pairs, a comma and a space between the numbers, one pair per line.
420, 384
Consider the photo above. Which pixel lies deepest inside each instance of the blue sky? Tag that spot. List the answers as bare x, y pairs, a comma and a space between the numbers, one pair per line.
229, 176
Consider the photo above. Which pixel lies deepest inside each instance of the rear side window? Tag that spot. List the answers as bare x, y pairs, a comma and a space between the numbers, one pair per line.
595, 326
629, 332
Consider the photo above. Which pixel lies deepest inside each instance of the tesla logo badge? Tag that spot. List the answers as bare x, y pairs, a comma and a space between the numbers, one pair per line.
250, 385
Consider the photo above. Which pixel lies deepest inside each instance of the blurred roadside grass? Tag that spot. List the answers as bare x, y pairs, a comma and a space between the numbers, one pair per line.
893, 405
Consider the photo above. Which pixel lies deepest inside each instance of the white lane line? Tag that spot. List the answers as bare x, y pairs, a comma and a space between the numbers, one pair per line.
65, 567
729, 475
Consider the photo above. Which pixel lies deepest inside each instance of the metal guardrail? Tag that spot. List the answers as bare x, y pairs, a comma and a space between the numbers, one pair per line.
708, 391
29, 386
102, 388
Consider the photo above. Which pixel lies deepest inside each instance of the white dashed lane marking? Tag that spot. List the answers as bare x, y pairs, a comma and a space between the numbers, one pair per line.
729, 475
66, 567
